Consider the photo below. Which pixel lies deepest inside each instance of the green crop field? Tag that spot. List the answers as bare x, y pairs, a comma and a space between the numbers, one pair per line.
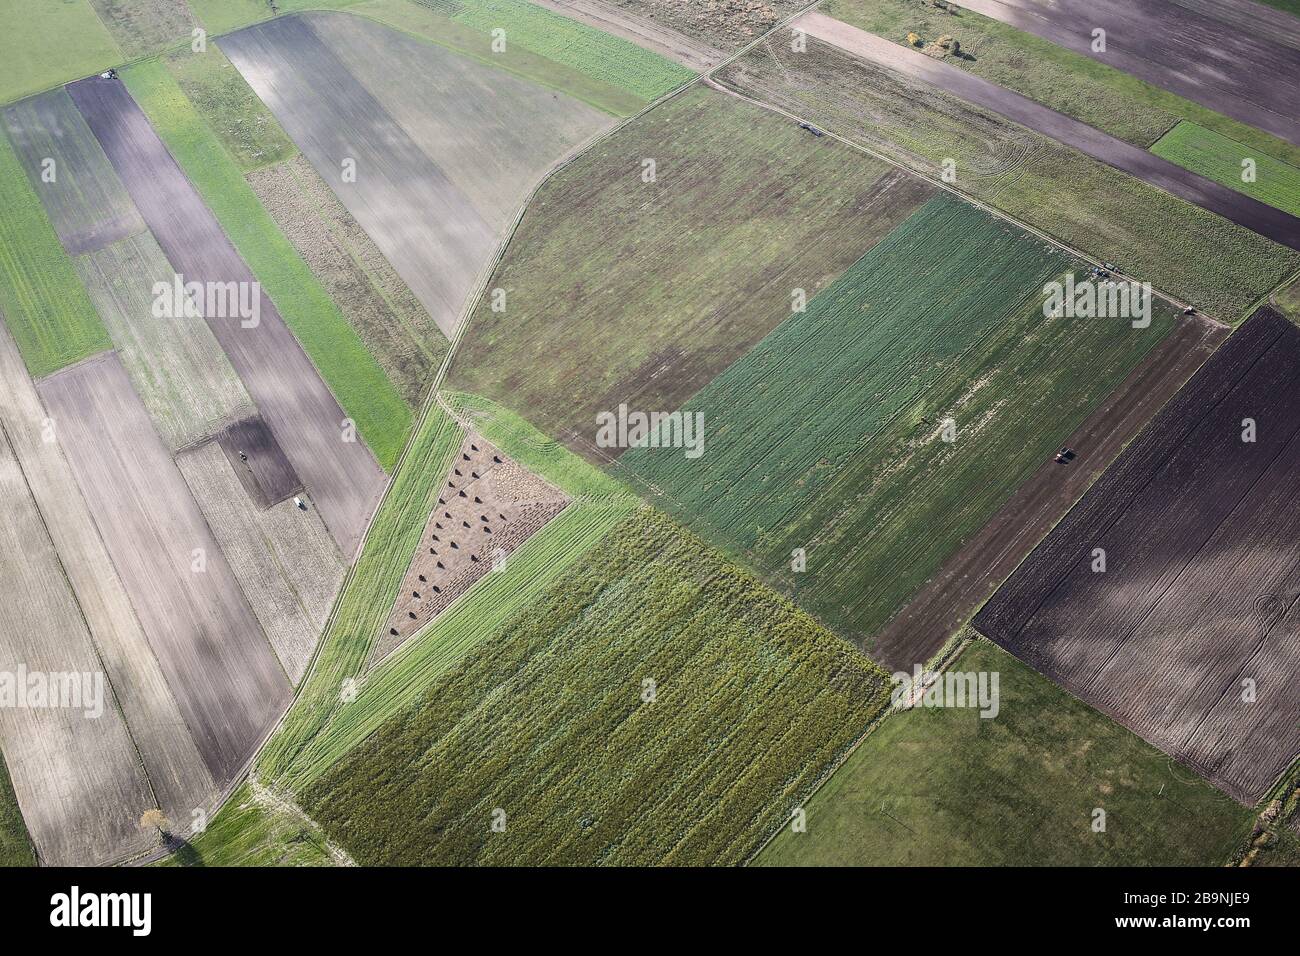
47, 308
827, 436
1069, 82
352, 373
49, 43
1219, 158
658, 705
15, 844
221, 16
643, 291
142, 27
1146, 232
943, 786
230, 107
251, 830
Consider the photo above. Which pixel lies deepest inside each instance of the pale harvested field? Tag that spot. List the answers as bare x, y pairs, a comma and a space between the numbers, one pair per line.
86, 202
338, 469
176, 365
227, 681
284, 558
79, 785
179, 777
395, 327
493, 134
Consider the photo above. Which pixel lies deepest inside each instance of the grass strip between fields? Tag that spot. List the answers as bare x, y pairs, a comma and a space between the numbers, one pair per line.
48, 309
1225, 161
15, 844
358, 382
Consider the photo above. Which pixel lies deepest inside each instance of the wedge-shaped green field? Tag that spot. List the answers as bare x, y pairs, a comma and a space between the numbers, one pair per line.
943, 786
644, 291
829, 435
47, 308
1221, 159
352, 373
656, 705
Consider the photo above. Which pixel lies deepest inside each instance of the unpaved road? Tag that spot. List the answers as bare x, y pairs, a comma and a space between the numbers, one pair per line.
950, 597
644, 32
1231, 205
1218, 62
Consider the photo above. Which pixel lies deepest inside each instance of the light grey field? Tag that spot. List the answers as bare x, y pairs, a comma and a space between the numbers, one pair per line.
427, 227
79, 785
85, 202
176, 365
179, 777
227, 681
493, 134
284, 557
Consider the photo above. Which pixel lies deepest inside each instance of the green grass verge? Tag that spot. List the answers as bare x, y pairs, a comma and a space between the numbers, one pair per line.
369, 591
1069, 82
231, 108
548, 721
827, 436
41, 297
15, 844
248, 831
352, 373
49, 43
946, 787
1221, 159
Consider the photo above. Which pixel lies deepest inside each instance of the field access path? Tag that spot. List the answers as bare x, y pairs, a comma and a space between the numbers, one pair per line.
1236, 207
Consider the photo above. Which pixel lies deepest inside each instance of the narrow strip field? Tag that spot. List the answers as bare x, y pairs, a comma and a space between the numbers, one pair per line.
877, 431
337, 468
1225, 160
655, 705
644, 290
942, 786
1187, 631
226, 679
199, 173
49, 314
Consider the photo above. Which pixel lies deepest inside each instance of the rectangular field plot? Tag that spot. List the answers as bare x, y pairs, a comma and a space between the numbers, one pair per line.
427, 227
285, 560
644, 291
1221, 159
75, 771
1169, 597
878, 430
80, 191
342, 475
225, 677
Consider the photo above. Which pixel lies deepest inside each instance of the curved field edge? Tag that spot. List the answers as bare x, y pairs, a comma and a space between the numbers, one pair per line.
42, 298
1223, 160
942, 786
359, 384
657, 704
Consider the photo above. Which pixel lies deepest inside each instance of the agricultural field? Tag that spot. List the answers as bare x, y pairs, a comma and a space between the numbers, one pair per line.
184, 182
829, 436
644, 291
142, 27
44, 45
1087, 89
15, 844
570, 759
1165, 598
48, 311
943, 786
1221, 159
1082, 202
727, 25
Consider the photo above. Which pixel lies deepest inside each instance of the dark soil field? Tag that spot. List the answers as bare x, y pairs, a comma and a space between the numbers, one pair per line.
226, 679
257, 459
1233, 69
338, 469
1190, 636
